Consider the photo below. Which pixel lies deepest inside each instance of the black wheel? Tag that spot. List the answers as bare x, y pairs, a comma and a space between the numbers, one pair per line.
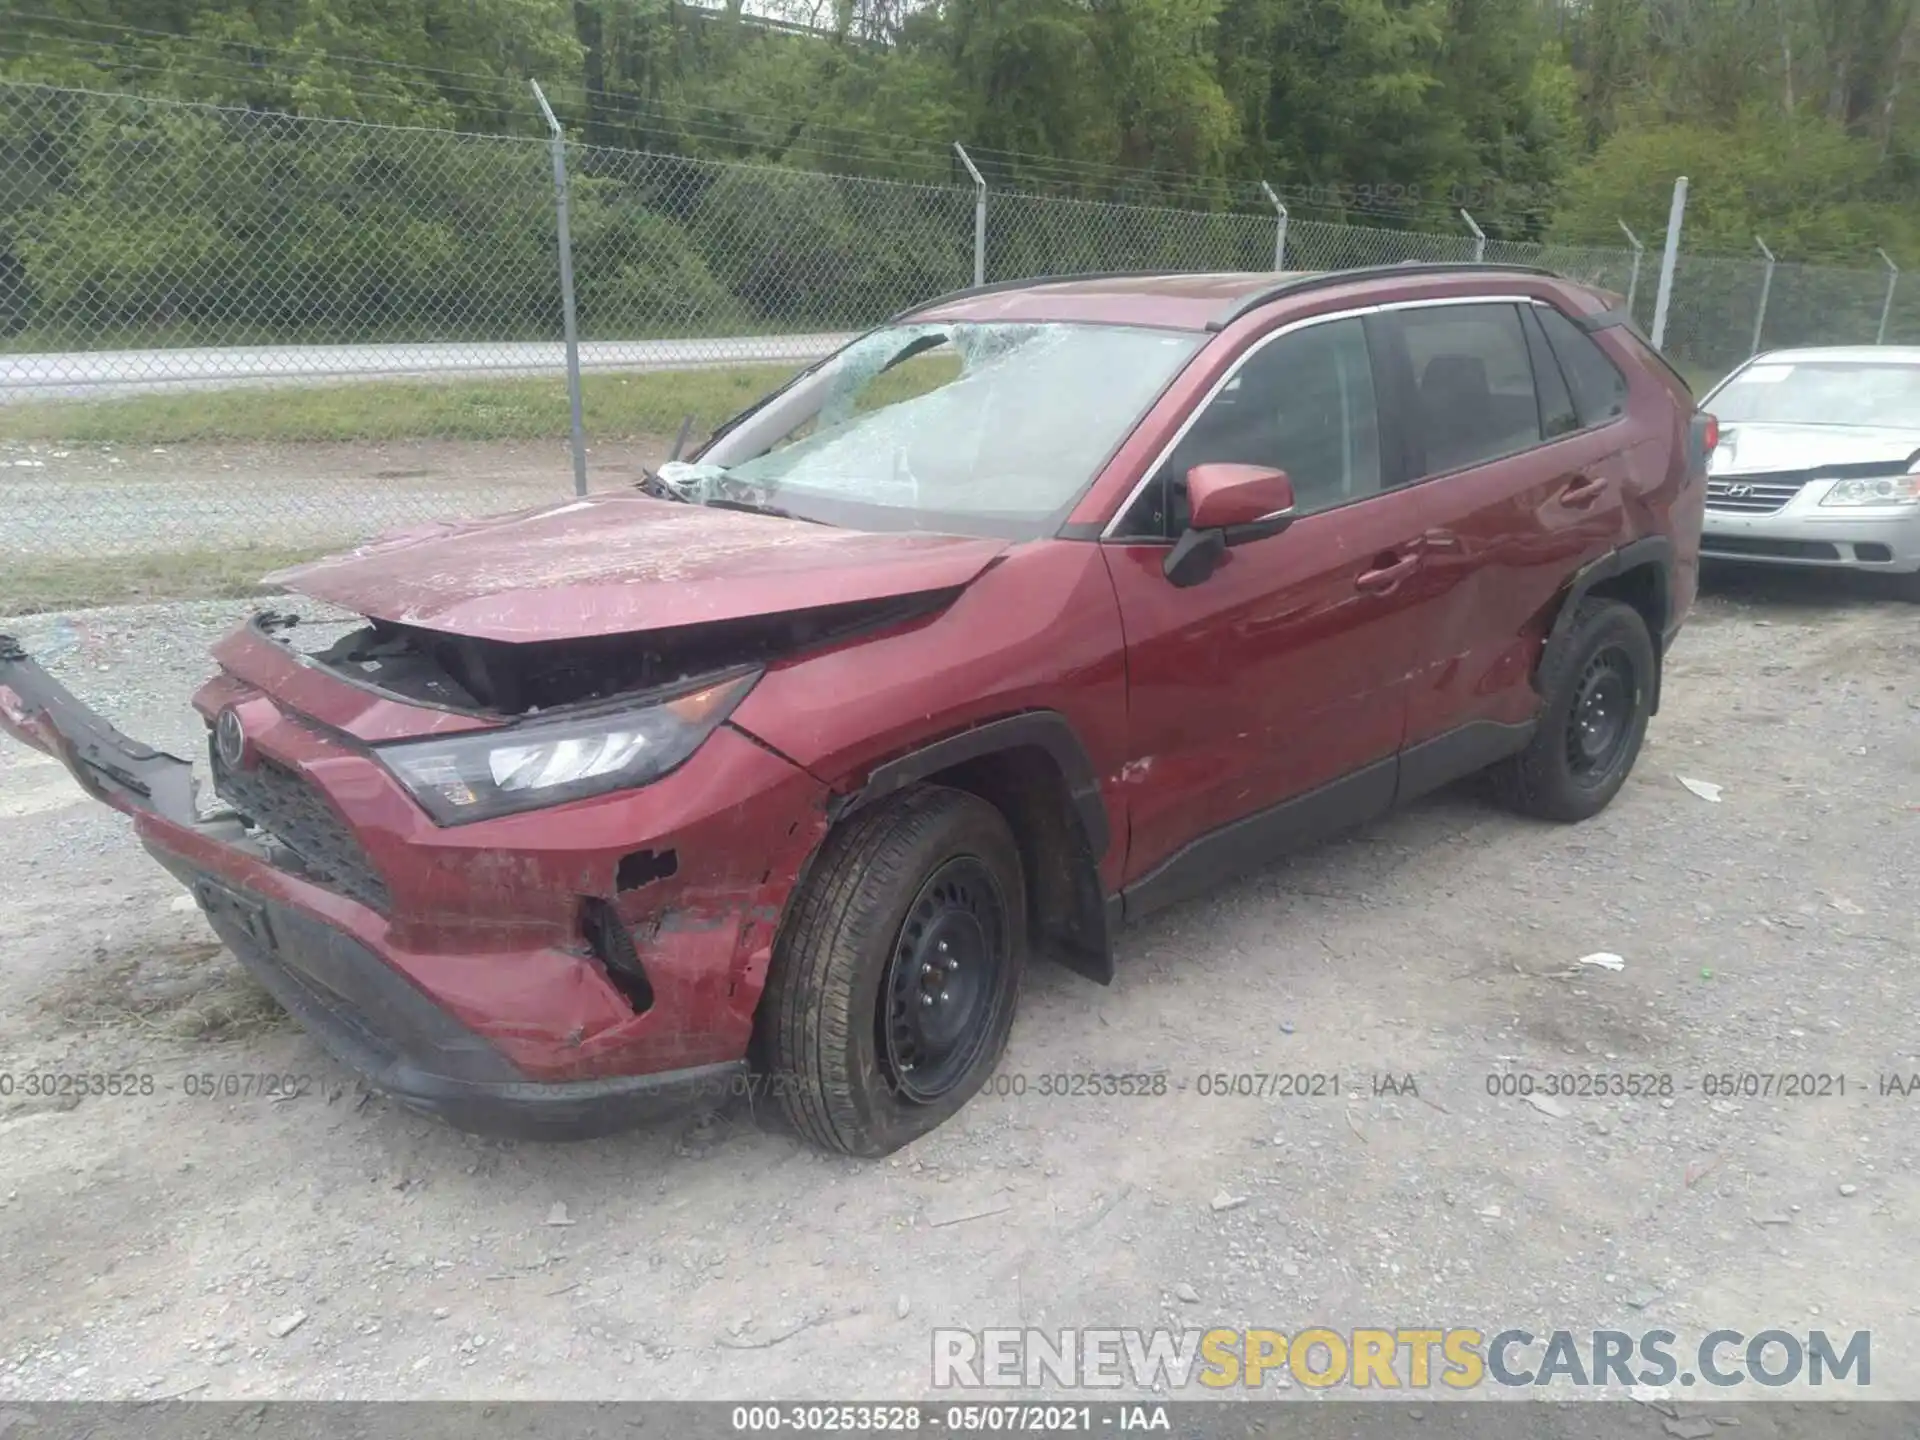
1907, 587
896, 973
1598, 685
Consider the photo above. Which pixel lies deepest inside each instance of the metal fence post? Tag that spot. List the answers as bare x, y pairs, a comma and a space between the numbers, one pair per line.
1766, 289
979, 215
1633, 275
1669, 259
1279, 235
558, 145
1886, 306
1479, 238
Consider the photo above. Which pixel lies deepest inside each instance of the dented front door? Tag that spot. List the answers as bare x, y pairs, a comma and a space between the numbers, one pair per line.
1284, 672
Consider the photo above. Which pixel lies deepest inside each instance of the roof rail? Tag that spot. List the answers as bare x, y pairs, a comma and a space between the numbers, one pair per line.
999, 287
1322, 279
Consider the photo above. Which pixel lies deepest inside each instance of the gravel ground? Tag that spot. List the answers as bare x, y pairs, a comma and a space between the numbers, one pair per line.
150, 1245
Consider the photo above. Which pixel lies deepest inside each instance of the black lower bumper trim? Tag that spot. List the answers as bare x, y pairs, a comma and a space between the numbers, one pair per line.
417, 1052
579, 1110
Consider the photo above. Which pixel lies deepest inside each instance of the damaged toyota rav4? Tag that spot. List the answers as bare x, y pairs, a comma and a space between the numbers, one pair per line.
1039, 607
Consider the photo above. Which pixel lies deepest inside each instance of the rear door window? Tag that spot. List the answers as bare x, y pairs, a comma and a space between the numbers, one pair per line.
1474, 398
1599, 389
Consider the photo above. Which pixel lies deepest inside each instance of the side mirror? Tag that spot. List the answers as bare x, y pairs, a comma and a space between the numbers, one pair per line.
1227, 505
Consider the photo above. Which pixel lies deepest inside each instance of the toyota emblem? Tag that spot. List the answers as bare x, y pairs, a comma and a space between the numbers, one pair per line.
230, 739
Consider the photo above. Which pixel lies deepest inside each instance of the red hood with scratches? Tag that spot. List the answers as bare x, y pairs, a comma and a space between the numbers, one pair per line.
620, 564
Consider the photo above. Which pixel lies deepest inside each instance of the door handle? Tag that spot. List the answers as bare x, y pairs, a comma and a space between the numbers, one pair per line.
1583, 490
1384, 577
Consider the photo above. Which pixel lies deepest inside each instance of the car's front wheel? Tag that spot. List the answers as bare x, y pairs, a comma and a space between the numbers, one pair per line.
1598, 686
896, 974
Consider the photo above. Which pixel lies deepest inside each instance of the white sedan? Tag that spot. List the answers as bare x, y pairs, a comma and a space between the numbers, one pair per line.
1819, 461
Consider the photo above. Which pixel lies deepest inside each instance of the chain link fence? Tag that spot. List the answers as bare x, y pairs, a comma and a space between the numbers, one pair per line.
1723, 310
229, 330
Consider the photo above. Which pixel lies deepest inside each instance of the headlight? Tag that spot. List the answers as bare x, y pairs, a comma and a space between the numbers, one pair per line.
461, 778
1881, 490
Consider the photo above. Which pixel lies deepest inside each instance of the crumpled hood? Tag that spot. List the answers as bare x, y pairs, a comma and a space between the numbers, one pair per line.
617, 564
1755, 449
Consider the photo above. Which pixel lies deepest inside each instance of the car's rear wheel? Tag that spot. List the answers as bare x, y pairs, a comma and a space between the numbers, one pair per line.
1599, 685
896, 974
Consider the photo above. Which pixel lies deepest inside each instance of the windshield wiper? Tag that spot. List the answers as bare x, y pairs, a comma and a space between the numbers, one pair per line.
752, 508
650, 483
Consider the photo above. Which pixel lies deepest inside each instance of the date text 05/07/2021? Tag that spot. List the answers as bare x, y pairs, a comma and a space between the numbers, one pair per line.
1012, 1418
76, 1085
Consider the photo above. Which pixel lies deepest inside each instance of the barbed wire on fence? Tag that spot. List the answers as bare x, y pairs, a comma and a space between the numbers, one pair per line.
149, 246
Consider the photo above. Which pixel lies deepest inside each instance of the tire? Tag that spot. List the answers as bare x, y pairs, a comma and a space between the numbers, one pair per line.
1598, 685
928, 879
1907, 587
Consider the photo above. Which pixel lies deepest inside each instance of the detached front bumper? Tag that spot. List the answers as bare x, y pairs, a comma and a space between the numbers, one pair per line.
318, 954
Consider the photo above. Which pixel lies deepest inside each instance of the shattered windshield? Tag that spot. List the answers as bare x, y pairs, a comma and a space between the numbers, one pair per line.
972, 427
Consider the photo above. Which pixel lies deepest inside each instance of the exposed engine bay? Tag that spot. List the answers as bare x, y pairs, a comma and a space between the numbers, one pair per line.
510, 679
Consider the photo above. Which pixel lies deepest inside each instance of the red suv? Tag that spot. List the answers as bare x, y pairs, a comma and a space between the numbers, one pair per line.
1039, 607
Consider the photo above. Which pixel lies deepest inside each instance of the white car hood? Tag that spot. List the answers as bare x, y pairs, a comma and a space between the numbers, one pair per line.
1762, 449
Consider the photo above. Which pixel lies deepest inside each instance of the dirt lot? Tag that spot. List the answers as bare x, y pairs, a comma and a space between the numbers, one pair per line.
149, 1244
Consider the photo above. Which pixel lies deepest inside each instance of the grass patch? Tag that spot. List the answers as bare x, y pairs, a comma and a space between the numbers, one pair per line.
237, 1008
615, 407
32, 585
188, 990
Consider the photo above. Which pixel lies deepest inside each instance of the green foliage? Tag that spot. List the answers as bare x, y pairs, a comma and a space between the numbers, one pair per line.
1799, 119
228, 224
1030, 236
1805, 185
1341, 91
348, 59
1795, 183
807, 251
639, 273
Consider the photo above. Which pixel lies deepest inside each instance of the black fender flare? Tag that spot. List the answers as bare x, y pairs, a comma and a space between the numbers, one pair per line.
1655, 551
1046, 730
1081, 921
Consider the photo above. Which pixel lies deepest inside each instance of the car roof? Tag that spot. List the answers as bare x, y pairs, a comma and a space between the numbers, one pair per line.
1855, 354
1178, 301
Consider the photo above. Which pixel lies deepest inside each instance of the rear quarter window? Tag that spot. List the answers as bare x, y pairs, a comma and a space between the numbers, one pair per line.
1599, 389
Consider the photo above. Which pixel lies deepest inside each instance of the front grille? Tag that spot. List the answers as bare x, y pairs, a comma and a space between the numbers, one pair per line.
1778, 549
282, 803
1751, 497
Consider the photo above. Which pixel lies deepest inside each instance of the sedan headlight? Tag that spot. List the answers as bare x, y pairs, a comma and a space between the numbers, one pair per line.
1880, 490
476, 776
